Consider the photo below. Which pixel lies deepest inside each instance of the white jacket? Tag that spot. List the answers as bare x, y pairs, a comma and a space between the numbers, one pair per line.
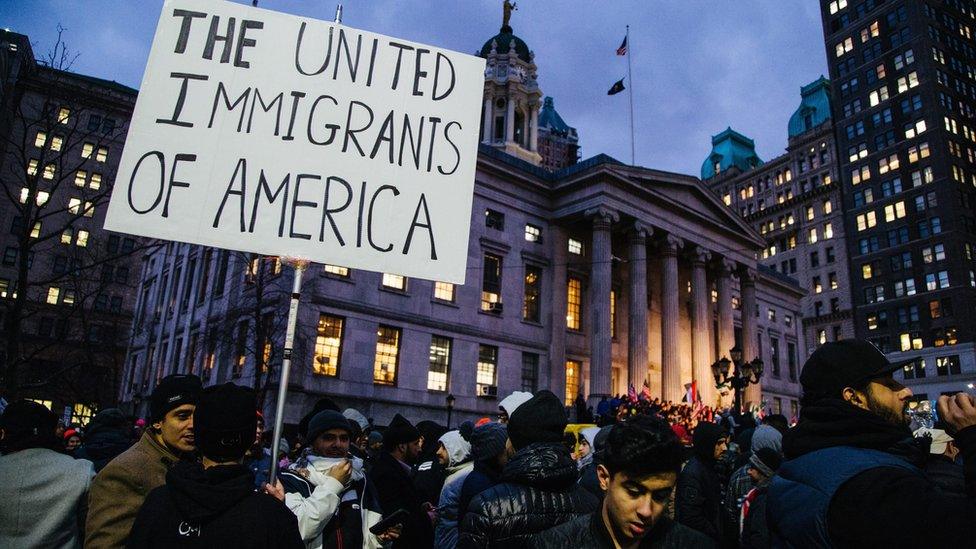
315, 511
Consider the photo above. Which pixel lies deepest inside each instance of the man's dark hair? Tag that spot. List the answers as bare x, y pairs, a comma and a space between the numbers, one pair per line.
642, 446
777, 421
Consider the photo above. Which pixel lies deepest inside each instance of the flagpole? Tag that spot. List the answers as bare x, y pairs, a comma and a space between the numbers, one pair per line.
630, 78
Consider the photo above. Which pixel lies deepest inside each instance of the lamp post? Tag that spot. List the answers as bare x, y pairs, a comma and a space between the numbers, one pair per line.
743, 375
450, 408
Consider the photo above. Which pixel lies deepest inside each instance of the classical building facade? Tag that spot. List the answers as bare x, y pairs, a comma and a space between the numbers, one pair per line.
583, 280
66, 284
904, 103
794, 202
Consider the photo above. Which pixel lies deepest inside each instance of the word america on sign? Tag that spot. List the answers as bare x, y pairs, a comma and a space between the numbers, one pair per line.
281, 135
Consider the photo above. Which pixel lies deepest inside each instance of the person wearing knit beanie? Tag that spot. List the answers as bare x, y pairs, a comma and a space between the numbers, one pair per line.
763, 464
698, 497
540, 419
401, 432
393, 476
325, 421
509, 404
225, 422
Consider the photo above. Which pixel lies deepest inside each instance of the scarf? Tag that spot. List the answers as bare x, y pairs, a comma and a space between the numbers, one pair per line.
308, 460
834, 422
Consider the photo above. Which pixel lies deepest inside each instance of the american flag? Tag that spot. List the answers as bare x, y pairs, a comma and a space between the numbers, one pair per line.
622, 50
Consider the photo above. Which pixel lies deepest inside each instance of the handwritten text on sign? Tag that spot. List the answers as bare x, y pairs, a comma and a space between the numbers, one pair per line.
274, 134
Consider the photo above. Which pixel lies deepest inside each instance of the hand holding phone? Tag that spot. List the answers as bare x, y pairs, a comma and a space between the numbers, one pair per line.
396, 519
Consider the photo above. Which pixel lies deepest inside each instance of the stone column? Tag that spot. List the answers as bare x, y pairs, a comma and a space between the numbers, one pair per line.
510, 121
600, 286
726, 322
701, 320
637, 306
750, 332
488, 119
533, 144
670, 302
556, 377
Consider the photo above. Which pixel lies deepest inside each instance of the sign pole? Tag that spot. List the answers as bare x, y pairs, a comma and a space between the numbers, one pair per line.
296, 293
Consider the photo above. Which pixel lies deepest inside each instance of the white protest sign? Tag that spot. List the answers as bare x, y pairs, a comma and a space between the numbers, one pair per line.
280, 135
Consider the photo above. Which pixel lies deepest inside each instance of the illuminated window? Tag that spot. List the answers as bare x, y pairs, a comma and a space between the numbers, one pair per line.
396, 282
56, 143
533, 233
387, 355
574, 300
836, 5
328, 346
101, 155
87, 149
440, 363
81, 177
812, 236
96, 181
82, 239
69, 297
50, 171
487, 365
491, 283
444, 291
894, 211
810, 213
40, 139
828, 230
67, 236
573, 368
575, 247
336, 270
36, 230
64, 114
530, 302
74, 205
32, 167
827, 207
52, 295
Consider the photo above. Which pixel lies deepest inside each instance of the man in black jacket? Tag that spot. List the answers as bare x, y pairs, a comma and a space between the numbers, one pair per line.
107, 436
214, 504
699, 495
392, 477
852, 477
637, 469
538, 488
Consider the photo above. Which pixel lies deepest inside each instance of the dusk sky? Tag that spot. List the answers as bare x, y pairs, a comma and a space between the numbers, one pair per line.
698, 66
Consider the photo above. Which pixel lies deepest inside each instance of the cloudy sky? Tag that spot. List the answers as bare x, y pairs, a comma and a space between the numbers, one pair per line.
698, 65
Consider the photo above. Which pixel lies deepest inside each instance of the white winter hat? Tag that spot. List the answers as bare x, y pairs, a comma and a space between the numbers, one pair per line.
513, 401
940, 439
353, 414
590, 435
457, 448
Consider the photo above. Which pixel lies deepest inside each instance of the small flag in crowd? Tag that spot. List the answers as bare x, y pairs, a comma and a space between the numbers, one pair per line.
616, 88
622, 50
632, 393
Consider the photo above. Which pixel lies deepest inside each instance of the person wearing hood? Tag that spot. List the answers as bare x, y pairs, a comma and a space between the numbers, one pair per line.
106, 437
43, 492
753, 530
538, 488
213, 503
852, 476
509, 404
327, 489
391, 474
120, 488
699, 492
455, 455
588, 473
587, 447
741, 482
360, 425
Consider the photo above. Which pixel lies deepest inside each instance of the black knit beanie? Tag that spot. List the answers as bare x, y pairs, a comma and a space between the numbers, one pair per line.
325, 420
172, 392
224, 422
541, 419
400, 431
704, 439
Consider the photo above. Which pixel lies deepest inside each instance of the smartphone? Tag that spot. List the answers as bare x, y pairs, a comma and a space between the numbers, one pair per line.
398, 517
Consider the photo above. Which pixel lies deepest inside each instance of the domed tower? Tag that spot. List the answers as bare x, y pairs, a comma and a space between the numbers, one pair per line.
512, 96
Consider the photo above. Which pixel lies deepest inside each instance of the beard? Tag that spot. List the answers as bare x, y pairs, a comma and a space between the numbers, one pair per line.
895, 417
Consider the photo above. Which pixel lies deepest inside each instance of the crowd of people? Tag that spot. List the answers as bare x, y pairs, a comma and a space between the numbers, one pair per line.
647, 474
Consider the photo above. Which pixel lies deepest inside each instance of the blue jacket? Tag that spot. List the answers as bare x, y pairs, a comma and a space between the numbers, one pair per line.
800, 494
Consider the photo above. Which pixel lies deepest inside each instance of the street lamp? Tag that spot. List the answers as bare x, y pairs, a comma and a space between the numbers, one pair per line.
450, 408
744, 374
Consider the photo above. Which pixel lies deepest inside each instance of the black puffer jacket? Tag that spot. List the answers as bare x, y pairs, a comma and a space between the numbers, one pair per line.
538, 491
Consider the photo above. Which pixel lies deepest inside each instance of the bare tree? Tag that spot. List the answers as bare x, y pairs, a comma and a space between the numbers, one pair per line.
69, 280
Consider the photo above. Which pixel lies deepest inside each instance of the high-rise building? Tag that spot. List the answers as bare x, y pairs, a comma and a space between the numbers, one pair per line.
794, 202
558, 141
66, 284
904, 95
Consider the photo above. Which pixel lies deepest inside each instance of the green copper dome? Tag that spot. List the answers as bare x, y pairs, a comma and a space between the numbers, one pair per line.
730, 148
504, 40
814, 107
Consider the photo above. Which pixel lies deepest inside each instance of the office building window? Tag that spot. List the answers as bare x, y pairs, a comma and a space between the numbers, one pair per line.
387, 355
487, 365
530, 372
444, 291
395, 282
530, 304
574, 303
440, 362
573, 368
328, 345
491, 283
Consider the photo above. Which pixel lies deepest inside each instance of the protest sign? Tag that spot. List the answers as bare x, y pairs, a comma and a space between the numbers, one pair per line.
281, 135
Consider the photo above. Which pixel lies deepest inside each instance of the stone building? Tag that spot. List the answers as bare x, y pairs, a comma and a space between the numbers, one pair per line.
66, 284
794, 202
583, 280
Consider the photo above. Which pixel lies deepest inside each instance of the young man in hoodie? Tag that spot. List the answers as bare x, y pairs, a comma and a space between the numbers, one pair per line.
538, 488
454, 454
328, 491
119, 489
637, 469
489, 452
213, 503
698, 497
